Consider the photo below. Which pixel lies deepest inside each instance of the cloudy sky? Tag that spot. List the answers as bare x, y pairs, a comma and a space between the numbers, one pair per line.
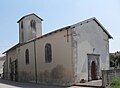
56, 14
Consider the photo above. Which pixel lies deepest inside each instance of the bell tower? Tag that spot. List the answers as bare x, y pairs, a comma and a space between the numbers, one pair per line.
30, 27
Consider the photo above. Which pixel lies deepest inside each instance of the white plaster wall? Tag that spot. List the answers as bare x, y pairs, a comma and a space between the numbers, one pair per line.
61, 58
26, 72
90, 36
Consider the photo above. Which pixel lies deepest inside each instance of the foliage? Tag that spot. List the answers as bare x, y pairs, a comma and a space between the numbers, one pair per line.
114, 59
115, 83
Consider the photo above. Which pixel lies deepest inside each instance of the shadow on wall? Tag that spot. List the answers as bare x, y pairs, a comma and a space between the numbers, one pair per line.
26, 77
58, 75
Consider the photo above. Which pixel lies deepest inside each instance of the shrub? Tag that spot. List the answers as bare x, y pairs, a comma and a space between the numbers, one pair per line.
115, 82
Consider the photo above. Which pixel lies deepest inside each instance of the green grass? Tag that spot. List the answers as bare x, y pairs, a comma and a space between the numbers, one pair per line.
115, 82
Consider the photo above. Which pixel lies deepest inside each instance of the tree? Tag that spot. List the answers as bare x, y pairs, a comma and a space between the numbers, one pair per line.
114, 59
117, 58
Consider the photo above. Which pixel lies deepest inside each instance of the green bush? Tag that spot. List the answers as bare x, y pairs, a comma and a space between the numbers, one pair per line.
115, 82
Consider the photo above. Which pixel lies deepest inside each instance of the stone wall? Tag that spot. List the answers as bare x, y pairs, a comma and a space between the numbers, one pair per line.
109, 75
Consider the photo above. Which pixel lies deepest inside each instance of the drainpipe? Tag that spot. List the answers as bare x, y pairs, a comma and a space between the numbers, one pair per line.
7, 75
35, 61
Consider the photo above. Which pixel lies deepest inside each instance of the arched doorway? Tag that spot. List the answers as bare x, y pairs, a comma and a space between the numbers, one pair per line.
93, 70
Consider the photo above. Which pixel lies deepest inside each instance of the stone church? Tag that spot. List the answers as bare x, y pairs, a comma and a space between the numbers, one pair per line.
65, 56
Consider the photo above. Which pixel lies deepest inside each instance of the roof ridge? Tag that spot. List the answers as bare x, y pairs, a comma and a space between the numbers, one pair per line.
29, 15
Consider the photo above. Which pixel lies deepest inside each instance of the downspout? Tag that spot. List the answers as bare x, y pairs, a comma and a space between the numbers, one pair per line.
35, 61
7, 65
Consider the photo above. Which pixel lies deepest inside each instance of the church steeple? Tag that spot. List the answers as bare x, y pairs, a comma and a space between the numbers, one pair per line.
30, 27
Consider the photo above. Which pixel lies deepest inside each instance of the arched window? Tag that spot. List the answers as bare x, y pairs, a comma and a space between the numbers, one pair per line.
22, 36
27, 56
21, 24
48, 53
33, 24
10, 62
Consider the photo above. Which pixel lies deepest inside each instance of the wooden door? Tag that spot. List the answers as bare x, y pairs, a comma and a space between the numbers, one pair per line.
16, 71
93, 70
12, 71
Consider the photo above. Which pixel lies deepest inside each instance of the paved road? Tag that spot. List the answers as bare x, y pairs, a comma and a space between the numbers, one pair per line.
12, 84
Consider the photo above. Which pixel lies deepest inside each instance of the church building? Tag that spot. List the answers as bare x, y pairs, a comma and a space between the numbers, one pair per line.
65, 56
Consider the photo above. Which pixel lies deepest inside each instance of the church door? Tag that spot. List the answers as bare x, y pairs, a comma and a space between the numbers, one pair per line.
93, 70
93, 66
12, 71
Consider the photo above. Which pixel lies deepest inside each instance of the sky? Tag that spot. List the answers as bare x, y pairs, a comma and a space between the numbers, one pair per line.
57, 14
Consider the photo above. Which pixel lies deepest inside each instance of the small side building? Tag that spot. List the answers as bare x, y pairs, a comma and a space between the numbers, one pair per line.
2, 61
